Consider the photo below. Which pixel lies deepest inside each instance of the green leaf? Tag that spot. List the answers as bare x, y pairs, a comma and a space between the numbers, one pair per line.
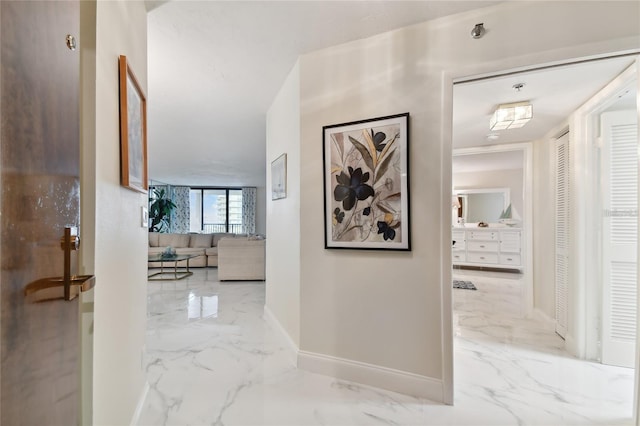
366, 156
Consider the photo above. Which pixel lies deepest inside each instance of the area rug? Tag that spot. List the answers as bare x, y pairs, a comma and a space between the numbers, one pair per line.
464, 285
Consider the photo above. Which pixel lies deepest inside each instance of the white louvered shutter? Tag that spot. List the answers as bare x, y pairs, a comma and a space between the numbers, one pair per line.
620, 236
562, 233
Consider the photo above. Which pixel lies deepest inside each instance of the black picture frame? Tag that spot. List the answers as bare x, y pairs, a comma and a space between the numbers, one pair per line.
366, 184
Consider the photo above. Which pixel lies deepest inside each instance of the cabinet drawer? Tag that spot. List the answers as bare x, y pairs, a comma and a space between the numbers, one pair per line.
482, 257
483, 246
457, 235
458, 256
510, 259
482, 235
510, 241
459, 245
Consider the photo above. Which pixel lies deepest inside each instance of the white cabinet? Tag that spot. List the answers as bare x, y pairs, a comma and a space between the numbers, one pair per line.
494, 248
458, 251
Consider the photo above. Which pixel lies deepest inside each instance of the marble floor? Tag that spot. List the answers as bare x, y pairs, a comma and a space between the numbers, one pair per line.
213, 360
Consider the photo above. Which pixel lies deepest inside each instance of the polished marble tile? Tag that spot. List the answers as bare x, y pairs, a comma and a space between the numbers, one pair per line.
212, 359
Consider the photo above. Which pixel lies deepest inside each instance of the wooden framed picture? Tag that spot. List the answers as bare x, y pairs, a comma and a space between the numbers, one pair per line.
279, 177
133, 130
366, 184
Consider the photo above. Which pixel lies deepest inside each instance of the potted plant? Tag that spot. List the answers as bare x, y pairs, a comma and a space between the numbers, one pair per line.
160, 207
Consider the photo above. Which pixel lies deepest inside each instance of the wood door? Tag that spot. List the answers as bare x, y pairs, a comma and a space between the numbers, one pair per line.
40, 196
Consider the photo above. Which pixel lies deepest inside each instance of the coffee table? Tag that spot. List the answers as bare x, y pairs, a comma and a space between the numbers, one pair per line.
175, 274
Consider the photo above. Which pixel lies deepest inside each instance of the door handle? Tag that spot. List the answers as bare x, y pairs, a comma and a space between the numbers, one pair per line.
72, 284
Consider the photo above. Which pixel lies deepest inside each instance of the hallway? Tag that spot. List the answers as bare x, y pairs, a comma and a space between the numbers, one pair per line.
212, 359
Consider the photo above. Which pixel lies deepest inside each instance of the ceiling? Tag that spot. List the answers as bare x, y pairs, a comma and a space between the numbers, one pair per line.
554, 93
214, 67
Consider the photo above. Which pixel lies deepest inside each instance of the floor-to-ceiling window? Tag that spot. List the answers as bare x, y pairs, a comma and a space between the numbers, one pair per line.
216, 210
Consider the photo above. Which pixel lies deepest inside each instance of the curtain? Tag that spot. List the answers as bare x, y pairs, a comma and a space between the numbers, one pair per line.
181, 214
249, 210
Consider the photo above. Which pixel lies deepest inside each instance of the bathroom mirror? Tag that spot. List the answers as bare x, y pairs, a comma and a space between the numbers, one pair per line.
479, 205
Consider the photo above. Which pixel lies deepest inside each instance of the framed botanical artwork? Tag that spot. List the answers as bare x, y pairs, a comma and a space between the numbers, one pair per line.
279, 177
133, 130
366, 184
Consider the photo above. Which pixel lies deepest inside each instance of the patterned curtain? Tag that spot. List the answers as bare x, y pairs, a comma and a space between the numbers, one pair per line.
181, 214
249, 210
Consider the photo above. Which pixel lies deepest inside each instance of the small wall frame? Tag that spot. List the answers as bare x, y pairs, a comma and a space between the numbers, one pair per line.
133, 130
279, 177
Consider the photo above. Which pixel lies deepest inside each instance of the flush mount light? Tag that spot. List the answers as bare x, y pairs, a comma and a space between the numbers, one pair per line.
511, 116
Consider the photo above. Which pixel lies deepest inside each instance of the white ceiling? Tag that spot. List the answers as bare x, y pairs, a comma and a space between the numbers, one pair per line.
214, 67
555, 93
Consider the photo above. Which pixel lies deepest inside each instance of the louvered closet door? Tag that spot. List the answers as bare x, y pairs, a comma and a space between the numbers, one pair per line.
620, 236
562, 232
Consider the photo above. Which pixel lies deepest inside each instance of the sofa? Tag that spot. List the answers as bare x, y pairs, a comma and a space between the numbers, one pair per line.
205, 246
237, 256
241, 259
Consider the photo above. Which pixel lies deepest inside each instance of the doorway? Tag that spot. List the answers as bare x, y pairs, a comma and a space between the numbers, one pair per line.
545, 297
510, 168
608, 134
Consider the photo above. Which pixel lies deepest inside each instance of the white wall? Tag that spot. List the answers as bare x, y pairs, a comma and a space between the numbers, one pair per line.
115, 246
283, 215
390, 313
512, 179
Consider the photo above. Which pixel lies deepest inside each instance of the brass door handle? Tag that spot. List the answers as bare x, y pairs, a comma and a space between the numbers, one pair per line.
77, 285
72, 285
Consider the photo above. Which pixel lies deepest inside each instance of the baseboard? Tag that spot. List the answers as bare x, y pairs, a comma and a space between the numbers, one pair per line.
372, 375
571, 346
290, 345
135, 420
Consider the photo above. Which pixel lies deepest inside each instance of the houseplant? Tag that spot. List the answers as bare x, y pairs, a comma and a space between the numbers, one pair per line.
160, 207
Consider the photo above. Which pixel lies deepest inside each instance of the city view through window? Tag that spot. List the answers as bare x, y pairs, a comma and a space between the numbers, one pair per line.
215, 210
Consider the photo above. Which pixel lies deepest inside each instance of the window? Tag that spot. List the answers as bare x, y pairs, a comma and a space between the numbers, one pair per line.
215, 210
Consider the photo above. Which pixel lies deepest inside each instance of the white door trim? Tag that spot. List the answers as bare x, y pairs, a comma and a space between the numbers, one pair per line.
586, 298
527, 218
584, 122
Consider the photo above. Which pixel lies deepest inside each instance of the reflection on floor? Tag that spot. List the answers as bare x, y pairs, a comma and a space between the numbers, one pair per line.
211, 359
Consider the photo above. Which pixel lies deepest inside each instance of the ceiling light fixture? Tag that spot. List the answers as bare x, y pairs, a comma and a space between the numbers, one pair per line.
511, 116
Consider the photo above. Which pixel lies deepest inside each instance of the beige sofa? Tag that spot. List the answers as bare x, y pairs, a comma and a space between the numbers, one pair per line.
205, 246
241, 259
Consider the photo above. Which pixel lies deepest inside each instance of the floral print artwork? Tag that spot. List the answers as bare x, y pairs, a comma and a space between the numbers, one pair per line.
365, 191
